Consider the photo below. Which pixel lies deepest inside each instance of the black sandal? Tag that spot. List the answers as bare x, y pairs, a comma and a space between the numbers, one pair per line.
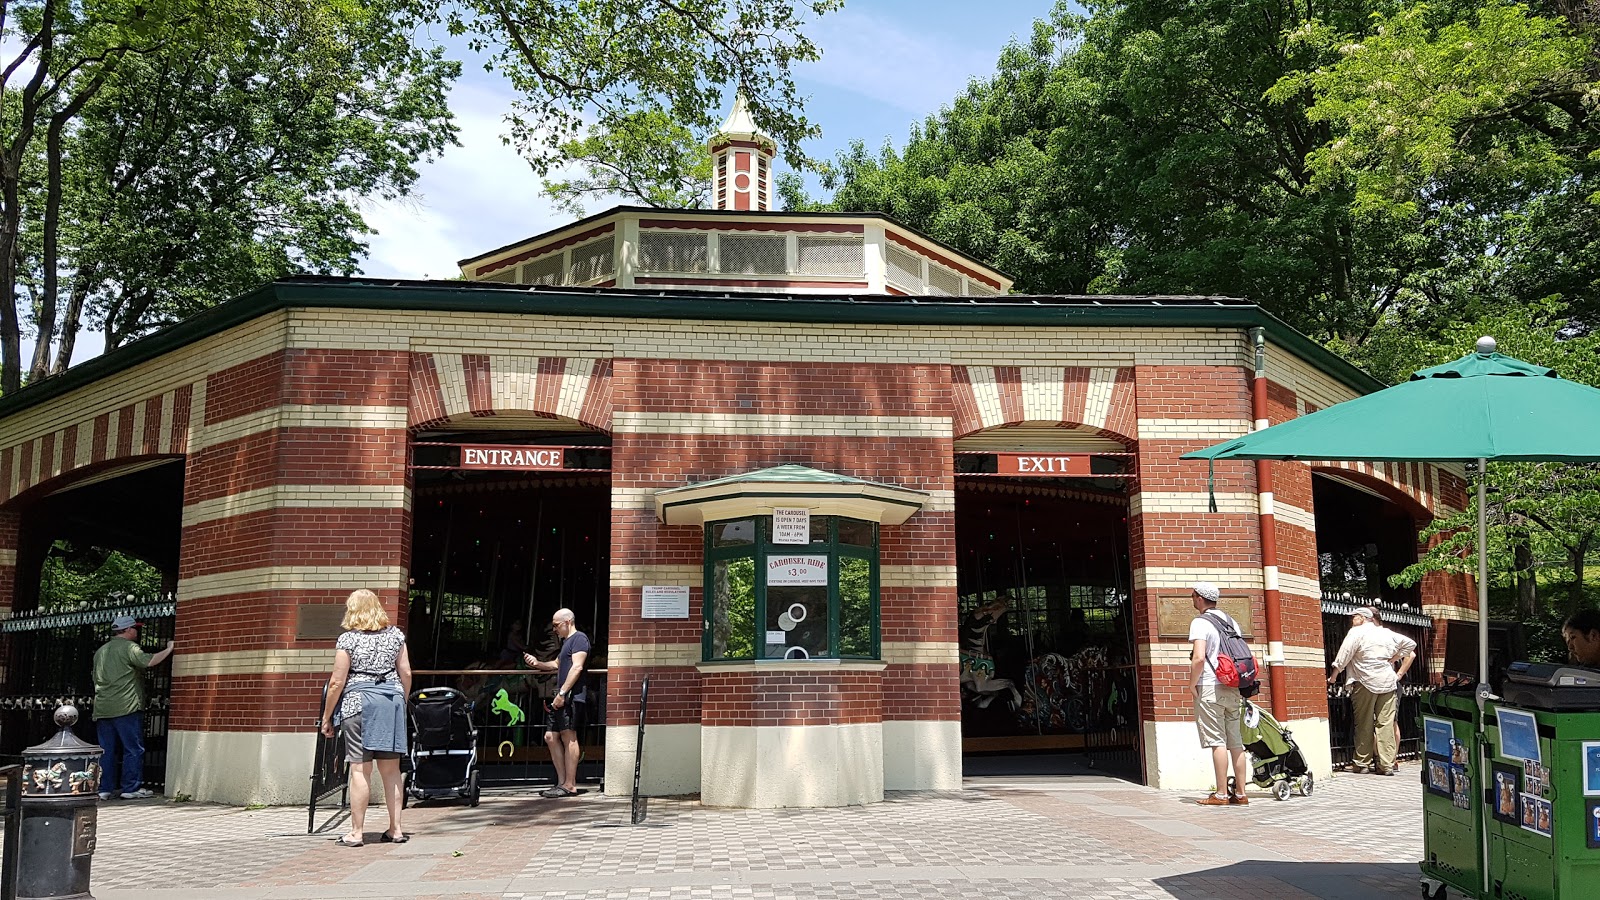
386, 838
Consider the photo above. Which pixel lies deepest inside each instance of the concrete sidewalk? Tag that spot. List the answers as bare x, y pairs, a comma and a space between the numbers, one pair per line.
1085, 837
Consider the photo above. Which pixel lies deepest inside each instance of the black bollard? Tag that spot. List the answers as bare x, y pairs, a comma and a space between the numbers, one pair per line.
60, 804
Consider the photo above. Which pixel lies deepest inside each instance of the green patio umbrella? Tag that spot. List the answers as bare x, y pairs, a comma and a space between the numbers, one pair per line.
1483, 406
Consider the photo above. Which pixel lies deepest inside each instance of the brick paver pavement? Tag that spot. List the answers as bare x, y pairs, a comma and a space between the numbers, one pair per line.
1090, 838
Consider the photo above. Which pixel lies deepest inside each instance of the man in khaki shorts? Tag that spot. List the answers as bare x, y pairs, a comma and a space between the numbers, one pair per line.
1216, 706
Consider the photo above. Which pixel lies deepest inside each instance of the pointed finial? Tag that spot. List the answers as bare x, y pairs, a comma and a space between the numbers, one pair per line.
1486, 345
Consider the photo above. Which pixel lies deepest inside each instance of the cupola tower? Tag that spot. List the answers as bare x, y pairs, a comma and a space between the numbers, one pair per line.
741, 160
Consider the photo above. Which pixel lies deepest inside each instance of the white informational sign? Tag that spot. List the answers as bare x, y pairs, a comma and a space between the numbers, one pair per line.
665, 601
797, 571
791, 526
778, 638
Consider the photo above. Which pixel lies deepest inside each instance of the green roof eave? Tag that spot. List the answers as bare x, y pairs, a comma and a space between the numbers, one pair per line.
468, 297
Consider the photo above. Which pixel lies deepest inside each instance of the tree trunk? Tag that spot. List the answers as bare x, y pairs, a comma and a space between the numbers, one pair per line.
82, 280
1527, 587
1575, 555
11, 196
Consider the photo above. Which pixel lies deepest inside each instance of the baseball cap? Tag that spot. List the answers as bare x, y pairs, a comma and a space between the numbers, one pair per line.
1207, 591
1364, 611
123, 623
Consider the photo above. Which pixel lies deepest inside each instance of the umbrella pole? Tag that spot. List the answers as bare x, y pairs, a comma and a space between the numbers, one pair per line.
1483, 652
1483, 584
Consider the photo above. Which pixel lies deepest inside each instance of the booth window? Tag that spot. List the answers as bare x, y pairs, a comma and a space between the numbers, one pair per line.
791, 601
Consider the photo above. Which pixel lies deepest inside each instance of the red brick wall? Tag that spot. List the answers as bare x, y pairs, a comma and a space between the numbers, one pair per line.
258, 618
790, 698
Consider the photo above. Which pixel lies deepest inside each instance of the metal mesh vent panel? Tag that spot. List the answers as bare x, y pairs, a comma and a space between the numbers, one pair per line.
590, 262
661, 251
544, 271
754, 254
831, 256
509, 276
905, 269
943, 281
977, 289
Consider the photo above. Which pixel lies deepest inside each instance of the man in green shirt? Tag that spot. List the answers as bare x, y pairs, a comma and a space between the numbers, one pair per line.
119, 703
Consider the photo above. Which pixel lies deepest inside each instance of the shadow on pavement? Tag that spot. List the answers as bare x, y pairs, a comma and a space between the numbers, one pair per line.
1323, 880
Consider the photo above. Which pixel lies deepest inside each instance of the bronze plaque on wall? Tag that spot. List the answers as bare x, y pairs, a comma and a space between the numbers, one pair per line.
319, 622
1174, 612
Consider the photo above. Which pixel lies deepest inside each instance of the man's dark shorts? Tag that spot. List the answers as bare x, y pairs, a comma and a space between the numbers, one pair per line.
568, 718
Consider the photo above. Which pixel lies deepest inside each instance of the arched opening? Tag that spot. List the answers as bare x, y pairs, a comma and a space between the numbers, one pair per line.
509, 525
99, 544
1365, 534
1043, 583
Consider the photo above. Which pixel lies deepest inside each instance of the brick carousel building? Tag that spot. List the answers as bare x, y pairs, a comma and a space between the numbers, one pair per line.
983, 536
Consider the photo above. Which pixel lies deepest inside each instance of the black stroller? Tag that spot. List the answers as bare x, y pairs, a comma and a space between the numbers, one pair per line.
444, 747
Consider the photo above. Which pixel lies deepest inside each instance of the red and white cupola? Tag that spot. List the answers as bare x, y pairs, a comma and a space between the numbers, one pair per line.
741, 160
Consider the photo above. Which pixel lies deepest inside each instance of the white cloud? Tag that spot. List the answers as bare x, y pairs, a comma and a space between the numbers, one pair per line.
876, 57
475, 197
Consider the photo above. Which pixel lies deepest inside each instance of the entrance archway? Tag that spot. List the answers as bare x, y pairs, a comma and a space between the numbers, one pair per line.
93, 544
510, 525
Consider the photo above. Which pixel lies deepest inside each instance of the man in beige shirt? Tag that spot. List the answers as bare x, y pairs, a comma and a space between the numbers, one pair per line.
1368, 656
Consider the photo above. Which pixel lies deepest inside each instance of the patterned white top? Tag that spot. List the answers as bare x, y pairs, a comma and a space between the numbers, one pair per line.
373, 655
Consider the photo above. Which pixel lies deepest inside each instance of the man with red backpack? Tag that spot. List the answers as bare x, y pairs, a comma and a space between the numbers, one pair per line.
1216, 703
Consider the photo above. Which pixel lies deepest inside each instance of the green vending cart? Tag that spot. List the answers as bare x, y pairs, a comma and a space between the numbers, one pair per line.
1532, 783
1452, 836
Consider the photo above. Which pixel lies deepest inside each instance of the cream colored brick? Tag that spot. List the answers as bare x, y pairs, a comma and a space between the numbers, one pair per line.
1177, 653
628, 422
638, 656
1193, 429
575, 386
919, 652
639, 576
1043, 392
917, 576
1187, 502
254, 662
8, 556
317, 496
1097, 407
273, 578
303, 416
1173, 577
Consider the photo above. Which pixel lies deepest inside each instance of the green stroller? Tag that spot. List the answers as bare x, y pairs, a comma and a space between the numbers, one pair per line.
1275, 760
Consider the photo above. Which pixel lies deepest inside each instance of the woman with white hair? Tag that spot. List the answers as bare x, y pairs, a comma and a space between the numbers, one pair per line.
367, 701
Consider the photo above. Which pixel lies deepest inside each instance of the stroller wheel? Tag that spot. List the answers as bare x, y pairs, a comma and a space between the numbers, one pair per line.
1280, 790
473, 791
1306, 783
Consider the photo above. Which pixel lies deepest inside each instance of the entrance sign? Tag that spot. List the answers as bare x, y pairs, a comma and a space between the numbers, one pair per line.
797, 571
791, 526
665, 601
508, 456
1042, 465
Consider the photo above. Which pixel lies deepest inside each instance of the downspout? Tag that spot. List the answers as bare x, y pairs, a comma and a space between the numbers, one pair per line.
1269, 537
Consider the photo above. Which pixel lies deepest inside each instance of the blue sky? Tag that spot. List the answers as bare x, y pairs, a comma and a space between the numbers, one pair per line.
886, 64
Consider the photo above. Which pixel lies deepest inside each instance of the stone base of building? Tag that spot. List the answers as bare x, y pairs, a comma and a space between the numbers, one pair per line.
1174, 759
916, 756
922, 756
240, 768
671, 760
767, 767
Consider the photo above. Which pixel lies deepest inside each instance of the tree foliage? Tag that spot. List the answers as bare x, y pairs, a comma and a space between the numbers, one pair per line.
158, 156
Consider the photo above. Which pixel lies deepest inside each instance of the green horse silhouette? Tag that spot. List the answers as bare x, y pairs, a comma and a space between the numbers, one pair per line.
502, 703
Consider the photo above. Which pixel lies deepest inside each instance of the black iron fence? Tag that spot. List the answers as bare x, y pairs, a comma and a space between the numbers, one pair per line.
50, 655
1342, 722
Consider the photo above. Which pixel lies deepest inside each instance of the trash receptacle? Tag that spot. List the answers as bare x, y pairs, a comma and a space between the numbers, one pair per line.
60, 796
